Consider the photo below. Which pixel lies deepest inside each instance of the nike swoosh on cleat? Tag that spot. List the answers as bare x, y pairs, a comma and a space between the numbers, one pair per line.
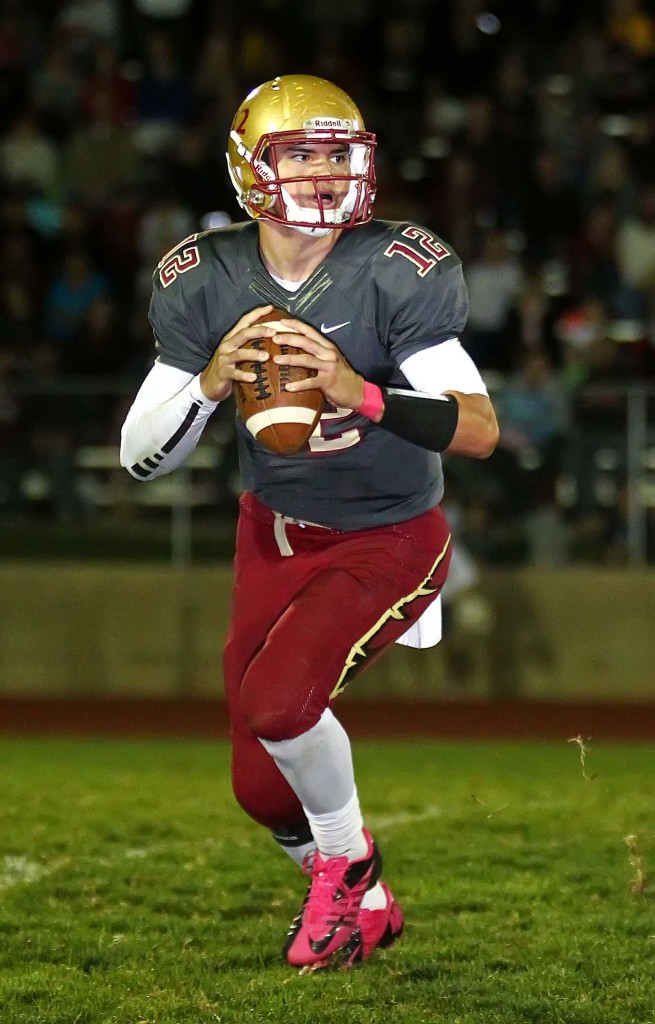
328, 330
320, 945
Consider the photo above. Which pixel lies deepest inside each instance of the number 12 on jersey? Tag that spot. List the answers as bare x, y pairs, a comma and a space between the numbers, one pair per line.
434, 250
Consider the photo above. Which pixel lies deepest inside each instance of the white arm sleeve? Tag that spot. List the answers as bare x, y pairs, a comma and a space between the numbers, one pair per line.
444, 367
164, 423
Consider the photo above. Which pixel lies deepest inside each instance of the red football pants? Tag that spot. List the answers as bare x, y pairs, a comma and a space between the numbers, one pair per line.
303, 625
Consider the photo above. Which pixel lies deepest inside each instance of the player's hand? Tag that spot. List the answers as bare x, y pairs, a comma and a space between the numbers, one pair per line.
335, 377
216, 379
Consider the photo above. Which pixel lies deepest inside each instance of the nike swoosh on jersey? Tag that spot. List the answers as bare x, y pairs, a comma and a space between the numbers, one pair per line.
328, 330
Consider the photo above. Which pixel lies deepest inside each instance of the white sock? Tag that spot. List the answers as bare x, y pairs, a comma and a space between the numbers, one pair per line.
318, 765
319, 768
340, 832
375, 898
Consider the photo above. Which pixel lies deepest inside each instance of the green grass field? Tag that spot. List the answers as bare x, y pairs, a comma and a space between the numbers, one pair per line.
133, 890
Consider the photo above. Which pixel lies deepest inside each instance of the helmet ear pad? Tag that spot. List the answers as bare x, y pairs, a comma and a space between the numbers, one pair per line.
303, 109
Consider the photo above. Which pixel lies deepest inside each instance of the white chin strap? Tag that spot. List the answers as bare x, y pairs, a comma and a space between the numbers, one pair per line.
313, 217
304, 229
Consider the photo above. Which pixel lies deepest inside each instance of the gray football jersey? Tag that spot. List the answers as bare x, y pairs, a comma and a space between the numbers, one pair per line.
385, 291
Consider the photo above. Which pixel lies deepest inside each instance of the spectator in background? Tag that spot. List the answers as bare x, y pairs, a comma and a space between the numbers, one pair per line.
394, 201
444, 114
399, 80
28, 156
17, 320
21, 294
608, 180
98, 346
107, 92
72, 291
18, 30
163, 224
531, 325
77, 231
533, 418
551, 208
640, 147
595, 372
99, 157
494, 281
578, 330
216, 77
636, 252
166, 10
514, 101
532, 407
114, 240
97, 349
604, 364
197, 176
15, 219
594, 267
455, 201
516, 128
56, 93
482, 143
82, 23
597, 441
164, 98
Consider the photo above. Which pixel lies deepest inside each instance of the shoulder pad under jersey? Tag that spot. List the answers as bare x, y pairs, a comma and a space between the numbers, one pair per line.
178, 308
421, 290
194, 257
408, 251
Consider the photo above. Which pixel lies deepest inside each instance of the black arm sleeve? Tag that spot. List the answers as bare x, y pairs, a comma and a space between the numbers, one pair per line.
425, 420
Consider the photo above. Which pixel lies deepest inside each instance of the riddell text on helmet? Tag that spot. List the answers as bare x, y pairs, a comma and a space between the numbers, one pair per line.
317, 123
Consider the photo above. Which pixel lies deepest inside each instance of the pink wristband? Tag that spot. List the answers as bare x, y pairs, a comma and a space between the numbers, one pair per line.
373, 403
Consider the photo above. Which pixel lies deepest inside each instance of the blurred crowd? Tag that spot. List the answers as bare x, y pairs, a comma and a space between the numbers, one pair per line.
521, 133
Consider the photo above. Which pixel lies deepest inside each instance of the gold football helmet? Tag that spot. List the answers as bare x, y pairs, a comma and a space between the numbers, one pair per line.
301, 109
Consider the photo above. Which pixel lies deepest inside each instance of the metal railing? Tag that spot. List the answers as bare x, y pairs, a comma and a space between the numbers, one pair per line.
635, 467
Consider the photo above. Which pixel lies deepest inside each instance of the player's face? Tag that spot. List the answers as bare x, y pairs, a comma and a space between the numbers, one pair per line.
304, 161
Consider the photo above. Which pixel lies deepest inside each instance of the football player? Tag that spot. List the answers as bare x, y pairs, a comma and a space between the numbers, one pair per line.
341, 549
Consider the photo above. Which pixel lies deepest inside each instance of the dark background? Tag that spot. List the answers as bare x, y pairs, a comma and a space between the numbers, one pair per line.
523, 133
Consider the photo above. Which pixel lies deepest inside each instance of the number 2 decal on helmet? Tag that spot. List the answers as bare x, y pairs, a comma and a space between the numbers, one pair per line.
241, 127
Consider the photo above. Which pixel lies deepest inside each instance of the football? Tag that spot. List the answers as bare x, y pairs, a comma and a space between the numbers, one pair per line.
281, 420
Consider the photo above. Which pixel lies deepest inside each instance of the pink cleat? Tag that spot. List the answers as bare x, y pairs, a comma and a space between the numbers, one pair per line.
375, 929
321, 934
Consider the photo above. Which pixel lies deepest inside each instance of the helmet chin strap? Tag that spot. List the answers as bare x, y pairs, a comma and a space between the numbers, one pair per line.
312, 218
317, 232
